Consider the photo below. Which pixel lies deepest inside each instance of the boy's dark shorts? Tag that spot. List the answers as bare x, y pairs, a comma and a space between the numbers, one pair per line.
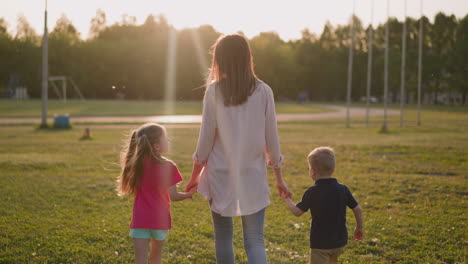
322, 256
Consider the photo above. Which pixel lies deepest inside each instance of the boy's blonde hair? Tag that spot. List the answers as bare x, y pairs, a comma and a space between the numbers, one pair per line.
322, 160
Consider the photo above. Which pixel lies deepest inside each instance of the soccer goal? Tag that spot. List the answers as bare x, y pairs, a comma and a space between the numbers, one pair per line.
64, 81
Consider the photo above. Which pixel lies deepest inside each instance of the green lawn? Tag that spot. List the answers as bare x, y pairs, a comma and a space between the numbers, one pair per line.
58, 204
428, 106
32, 108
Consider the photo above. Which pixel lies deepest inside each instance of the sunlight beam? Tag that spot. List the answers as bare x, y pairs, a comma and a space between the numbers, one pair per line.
199, 48
170, 87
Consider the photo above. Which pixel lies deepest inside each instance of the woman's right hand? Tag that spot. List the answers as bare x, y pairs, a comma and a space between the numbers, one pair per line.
191, 185
193, 182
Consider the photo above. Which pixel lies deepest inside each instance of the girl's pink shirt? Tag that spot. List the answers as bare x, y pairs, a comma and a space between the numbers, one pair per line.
152, 204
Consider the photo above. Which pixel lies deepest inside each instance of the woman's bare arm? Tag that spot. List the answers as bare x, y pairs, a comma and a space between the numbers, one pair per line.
195, 178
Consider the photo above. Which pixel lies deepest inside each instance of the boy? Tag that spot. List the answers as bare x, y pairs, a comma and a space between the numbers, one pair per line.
327, 201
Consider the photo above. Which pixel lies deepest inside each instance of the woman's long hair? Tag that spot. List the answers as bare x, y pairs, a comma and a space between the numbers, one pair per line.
233, 69
138, 148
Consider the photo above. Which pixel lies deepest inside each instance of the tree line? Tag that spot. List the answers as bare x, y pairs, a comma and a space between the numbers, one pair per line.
131, 58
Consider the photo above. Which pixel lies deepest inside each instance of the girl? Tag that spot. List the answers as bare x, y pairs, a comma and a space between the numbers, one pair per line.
152, 179
238, 136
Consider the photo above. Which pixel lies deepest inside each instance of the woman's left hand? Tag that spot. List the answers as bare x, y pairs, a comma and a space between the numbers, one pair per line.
283, 189
280, 184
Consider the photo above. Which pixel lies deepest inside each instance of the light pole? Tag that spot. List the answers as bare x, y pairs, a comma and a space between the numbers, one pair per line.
420, 64
45, 71
369, 63
403, 69
350, 67
384, 126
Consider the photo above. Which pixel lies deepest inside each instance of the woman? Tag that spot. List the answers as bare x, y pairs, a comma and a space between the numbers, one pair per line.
238, 136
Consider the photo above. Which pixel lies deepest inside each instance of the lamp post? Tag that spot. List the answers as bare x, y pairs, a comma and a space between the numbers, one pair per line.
420, 64
350, 67
384, 126
45, 71
403, 69
369, 63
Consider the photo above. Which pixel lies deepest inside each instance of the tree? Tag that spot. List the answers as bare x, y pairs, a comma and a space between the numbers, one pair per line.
327, 38
64, 41
22, 56
133, 58
65, 31
24, 31
442, 44
3, 27
128, 20
274, 63
459, 59
98, 24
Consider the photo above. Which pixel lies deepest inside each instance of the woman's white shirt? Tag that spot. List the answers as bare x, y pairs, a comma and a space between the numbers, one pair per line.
235, 145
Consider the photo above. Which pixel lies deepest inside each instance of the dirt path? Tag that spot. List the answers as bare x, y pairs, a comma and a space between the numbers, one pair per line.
339, 112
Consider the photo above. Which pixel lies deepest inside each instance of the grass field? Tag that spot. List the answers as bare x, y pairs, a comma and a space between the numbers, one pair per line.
58, 204
32, 108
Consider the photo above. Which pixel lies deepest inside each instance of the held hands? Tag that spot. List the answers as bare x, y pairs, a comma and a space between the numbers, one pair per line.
284, 196
195, 178
192, 185
190, 193
358, 234
283, 190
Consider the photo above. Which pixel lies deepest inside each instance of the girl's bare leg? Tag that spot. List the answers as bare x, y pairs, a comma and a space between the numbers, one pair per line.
156, 251
141, 250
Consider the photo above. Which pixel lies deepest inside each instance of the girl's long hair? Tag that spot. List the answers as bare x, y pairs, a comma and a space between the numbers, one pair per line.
138, 148
232, 69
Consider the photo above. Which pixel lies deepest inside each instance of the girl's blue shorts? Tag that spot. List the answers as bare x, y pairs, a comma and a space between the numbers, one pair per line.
148, 233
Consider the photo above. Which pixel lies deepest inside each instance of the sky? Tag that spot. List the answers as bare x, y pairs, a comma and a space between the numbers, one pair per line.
288, 18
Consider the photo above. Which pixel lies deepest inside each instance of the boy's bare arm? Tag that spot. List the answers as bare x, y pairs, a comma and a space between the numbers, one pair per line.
359, 230
292, 207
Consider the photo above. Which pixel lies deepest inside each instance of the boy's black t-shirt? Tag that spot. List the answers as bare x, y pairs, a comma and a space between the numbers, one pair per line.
327, 201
